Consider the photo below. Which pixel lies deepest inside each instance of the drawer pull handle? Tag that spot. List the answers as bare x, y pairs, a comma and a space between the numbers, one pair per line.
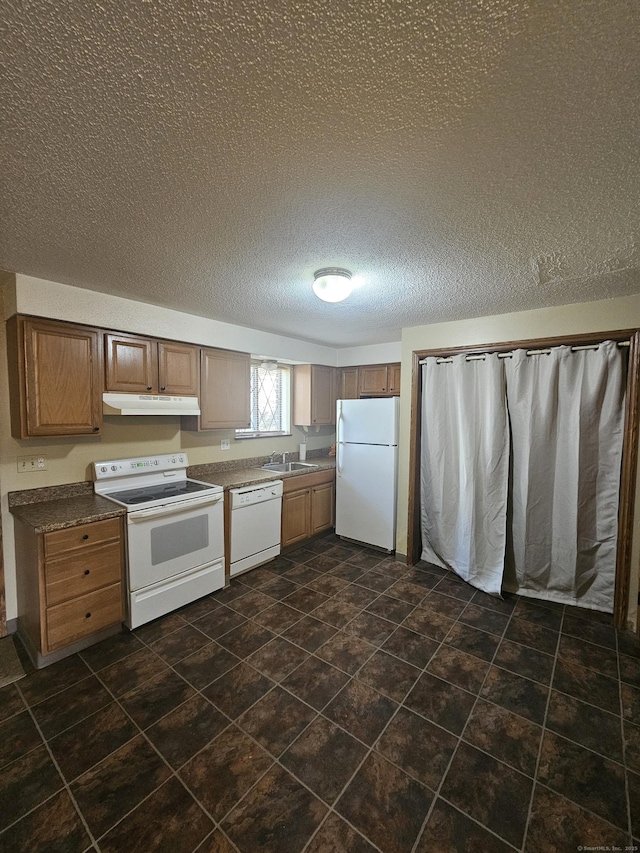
87, 571
96, 429
87, 615
86, 536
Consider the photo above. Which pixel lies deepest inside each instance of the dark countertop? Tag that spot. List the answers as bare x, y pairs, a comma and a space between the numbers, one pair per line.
58, 507
45, 516
237, 478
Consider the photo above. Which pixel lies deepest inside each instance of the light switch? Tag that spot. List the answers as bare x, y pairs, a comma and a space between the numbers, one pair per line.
32, 463
225, 444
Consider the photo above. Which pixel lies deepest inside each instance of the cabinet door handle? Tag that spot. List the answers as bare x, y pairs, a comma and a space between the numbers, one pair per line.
148, 387
87, 572
95, 429
86, 536
87, 615
163, 387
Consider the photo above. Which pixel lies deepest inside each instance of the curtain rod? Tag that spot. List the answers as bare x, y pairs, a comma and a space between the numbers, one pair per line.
482, 355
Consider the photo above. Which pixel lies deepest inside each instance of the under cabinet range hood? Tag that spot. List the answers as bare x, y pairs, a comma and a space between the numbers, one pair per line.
149, 404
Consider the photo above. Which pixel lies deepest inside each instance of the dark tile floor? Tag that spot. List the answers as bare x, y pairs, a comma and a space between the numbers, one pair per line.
332, 701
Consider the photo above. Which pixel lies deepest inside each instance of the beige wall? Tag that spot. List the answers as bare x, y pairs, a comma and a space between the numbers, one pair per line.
605, 315
69, 459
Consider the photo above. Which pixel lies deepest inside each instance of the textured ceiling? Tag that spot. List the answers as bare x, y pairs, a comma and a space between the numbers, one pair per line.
461, 158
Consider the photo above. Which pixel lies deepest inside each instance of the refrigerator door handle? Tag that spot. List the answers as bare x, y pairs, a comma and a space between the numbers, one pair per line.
338, 441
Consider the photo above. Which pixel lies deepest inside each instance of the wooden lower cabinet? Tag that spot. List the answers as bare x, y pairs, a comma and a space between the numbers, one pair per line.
296, 516
308, 506
70, 586
323, 500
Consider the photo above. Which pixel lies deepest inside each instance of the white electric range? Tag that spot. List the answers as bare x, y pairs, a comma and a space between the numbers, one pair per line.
175, 532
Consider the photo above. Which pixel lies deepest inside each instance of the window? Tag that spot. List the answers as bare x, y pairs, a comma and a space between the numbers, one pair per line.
270, 408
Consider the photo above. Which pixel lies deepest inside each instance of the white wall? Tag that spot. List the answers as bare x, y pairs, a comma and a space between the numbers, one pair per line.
50, 299
610, 314
372, 354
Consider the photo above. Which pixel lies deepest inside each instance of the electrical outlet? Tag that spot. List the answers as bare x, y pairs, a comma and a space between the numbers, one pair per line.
32, 463
225, 444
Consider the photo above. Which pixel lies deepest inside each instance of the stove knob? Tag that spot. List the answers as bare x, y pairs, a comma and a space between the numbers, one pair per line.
104, 469
155, 461
180, 459
114, 467
173, 461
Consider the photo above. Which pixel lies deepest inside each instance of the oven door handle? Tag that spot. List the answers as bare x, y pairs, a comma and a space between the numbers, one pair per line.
172, 509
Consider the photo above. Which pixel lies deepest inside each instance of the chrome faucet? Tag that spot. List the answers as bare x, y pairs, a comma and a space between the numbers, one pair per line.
284, 457
272, 457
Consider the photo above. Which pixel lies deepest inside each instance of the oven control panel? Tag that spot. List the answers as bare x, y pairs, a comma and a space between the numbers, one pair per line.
139, 465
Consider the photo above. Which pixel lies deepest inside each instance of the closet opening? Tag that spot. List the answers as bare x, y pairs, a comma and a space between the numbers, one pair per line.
627, 338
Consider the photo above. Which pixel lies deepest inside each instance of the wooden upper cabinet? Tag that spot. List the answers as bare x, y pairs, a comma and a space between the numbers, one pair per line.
379, 380
178, 369
348, 385
132, 364
393, 372
373, 379
140, 366
55, 378
225, 391
314, 395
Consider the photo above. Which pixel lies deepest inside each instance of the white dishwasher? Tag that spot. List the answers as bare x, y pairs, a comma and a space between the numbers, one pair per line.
255, 525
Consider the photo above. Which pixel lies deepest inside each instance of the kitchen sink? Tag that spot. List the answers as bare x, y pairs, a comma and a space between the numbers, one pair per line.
285, 467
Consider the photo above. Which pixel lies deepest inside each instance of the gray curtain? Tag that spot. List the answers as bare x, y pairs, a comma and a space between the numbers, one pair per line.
566, 411
465, 467
520, 469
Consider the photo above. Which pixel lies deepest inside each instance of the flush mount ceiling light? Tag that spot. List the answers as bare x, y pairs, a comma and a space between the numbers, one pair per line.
332, 284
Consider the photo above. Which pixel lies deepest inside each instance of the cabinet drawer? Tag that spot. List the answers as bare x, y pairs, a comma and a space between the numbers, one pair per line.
305, 481
81, 536
83, 616
82, 571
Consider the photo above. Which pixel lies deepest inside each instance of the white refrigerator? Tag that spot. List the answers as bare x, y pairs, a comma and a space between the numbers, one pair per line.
367, 470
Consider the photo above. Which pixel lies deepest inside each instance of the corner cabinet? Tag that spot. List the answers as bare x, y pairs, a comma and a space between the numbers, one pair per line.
55, 378
141, 365
225, 391
314, 395
308, 506
70, 587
